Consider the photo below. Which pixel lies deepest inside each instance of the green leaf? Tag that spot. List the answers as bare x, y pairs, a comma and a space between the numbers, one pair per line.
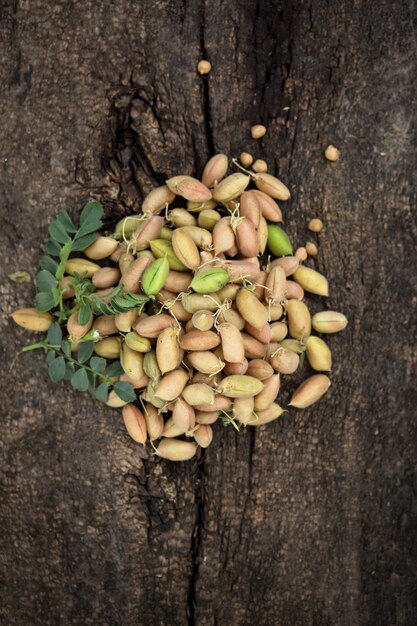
54, 336
114, 369
79, 380
90, 218
64, 219
100, 307
56, 369
91, 382
44, 301
48, 264
53, 248
125, 391
106, 309
85, 350
122, 302
50, 357
45, 281
116, 291
119, 304
84, 315
66, 349
102, 392
58, 232
69, 370
138, 300
98, 364
84, 241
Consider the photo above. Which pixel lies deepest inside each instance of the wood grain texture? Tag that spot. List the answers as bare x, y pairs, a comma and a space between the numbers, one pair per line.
309, 521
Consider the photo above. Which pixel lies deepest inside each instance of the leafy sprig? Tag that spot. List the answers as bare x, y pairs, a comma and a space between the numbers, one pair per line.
64, 238
117, 302
85, 370
89, 303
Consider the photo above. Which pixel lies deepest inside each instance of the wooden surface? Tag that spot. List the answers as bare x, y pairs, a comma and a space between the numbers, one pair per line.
309, 521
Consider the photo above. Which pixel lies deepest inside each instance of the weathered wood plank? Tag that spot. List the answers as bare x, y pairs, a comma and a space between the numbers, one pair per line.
310, 520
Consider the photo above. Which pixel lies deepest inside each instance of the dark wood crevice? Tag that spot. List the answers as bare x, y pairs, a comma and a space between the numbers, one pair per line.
196, 540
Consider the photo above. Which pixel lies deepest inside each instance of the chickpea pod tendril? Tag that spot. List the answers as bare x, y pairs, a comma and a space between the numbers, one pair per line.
190, 312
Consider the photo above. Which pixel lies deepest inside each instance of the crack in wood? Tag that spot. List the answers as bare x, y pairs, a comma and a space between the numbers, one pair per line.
196, 540
205, 91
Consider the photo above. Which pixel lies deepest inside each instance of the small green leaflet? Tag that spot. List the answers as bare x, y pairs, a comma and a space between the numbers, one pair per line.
114, 369
49, 264
83, 242
102, 392
128, 301
98, 364
102, 308
54, 336
84, 314
69, 370
44, 301
79, 380
125, 391
58, 232
85, 351
91, 382
52, 247
56, 369
66, 349
65, 221
45, 281
118, 302
90, 218
48, 297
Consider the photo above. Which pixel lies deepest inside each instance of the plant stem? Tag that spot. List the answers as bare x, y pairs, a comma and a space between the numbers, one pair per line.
34, 346
228, 420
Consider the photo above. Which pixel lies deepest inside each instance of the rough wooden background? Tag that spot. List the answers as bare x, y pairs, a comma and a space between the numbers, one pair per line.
310, 521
